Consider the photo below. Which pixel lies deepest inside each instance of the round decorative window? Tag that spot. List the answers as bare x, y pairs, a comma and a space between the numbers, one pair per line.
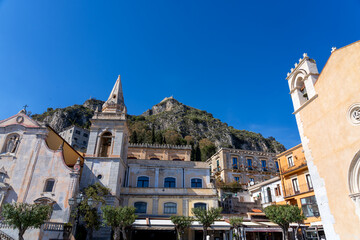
354, 114
20, 119
99, 176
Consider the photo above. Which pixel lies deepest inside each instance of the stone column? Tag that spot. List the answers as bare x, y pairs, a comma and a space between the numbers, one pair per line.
185, 207
155, 208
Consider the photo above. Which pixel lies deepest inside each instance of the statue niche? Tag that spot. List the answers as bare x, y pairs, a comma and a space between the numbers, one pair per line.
105, 145
11, 143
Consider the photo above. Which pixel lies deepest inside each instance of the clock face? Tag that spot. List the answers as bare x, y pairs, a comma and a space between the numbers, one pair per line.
77, 167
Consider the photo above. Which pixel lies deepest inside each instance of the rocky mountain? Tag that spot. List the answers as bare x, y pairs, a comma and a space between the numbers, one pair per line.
169, 122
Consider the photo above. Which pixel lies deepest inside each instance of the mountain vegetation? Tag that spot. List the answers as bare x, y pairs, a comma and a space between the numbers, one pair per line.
169, 122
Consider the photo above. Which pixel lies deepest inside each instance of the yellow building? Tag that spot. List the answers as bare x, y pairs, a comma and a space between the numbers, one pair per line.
327, 111
297, 186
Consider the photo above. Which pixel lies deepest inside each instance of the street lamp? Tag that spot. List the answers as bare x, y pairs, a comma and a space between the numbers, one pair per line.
75, 202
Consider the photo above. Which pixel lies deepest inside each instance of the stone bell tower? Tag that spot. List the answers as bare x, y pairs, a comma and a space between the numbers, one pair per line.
105, 160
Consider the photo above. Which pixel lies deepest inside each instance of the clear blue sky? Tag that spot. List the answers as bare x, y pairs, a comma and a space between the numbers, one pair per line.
229, 58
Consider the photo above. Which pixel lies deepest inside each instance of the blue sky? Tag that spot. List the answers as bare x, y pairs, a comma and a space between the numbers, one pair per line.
229, 58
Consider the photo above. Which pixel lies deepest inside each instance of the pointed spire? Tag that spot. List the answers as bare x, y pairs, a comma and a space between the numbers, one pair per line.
115, 102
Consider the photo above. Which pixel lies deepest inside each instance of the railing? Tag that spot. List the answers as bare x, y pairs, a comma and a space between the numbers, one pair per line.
168, 191
52, 226
4, 236
298, 163
289, 189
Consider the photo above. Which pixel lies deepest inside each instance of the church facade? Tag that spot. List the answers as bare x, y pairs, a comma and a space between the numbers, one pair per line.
37, 166
327, 110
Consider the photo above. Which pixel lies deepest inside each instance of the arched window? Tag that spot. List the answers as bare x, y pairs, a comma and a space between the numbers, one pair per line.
196, 183
169, 182
49, 185
105, 144
177, 159
132, 157
269, 194
200, 205
143, 182
170, 208
11, 143
154, 158
140, 207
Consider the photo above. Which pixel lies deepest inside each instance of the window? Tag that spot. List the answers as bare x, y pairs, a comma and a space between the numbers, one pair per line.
77, 132
218, 164
105, 144
290, 161
154, 158
143, 182
196, 183
295, 185
252, 180
237, 179
71, 131
49, 185
310, 207
200, 205
75, 139
177, 159
235, 163
170, 208
263, 165
170, 182
140, 207
309, 182
84, 142
249, 163
277, 190
277, 166
86, 135
132, 157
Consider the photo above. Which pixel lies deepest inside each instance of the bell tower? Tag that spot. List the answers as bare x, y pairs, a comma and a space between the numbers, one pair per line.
105, 160
301, 82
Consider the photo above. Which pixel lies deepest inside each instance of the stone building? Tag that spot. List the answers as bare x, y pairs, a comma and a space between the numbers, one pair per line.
158, 180
327, 110
243, 166
268, 192
37, 166
77, 137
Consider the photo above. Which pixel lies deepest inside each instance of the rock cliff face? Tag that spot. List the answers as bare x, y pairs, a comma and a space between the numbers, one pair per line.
169, 119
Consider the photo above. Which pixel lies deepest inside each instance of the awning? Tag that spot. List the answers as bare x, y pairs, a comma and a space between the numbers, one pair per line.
166, 224
153, 224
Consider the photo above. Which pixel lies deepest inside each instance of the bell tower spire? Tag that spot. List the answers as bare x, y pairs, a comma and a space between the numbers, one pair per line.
115, 102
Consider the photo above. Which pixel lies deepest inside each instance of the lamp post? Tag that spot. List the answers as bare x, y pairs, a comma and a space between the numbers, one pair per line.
74, 203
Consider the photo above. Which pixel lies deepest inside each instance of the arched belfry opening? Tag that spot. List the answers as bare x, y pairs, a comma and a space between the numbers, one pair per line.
105, 144
300, 84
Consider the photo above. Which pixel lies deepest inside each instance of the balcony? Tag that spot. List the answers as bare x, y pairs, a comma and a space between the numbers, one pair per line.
169, 191
290, 191
298, 164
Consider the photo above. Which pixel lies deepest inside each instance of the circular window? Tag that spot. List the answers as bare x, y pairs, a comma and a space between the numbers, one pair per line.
20, 119
99, 176
354, 114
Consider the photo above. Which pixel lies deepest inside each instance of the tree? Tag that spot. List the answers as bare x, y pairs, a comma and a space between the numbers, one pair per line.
23, 216
89, 213
181, 224
118, 218
206, 217
133, 137
283, 215
207, 149
236, 222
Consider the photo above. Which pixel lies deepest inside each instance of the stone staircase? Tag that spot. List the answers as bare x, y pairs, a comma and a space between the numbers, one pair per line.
4, 236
